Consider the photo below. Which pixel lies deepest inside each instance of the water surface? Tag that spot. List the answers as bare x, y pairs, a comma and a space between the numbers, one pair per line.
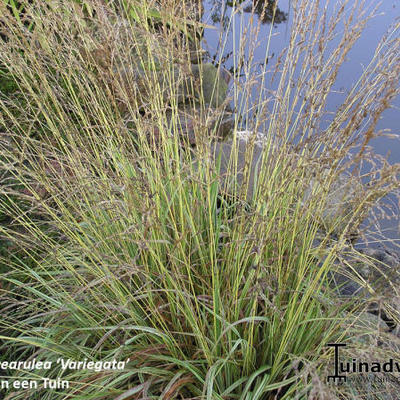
217, 13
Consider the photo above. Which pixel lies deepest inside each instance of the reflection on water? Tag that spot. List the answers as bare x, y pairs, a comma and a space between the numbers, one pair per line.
267, 11
218, 13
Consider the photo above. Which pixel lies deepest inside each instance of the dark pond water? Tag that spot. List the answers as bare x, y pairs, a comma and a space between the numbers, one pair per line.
217, 13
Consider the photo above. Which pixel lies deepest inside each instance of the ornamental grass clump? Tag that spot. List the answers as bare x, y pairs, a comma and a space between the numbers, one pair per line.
121, 243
